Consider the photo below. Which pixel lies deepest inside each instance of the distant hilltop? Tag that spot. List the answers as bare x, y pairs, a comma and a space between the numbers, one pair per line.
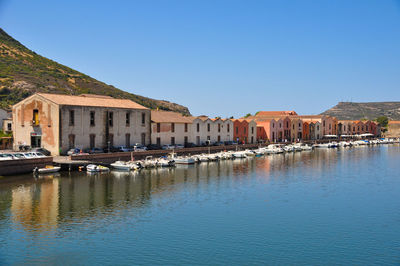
23, 73
369, 110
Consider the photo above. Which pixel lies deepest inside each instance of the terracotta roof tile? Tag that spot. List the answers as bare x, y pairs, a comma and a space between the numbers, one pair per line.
169, 117
94, 101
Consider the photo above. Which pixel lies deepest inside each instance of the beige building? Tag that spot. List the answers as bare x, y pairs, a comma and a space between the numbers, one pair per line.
206, 130
170, 128
252, 135
61, 122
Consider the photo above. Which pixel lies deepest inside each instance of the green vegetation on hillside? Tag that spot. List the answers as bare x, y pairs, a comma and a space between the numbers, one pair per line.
370, 111
23, 72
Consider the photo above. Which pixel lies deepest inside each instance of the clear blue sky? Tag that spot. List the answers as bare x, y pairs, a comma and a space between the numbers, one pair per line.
223, 57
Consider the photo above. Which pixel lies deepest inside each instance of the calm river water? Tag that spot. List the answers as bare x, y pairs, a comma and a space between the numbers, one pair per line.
320, 207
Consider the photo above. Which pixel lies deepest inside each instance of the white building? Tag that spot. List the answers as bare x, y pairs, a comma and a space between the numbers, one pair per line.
252, 136
170, 128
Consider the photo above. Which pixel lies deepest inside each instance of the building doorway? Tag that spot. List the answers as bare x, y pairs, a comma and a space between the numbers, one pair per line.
36, 141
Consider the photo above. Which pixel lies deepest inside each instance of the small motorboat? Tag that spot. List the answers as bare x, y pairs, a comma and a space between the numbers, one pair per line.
93, 168
164, 162
122, 166
46, 170
239, 154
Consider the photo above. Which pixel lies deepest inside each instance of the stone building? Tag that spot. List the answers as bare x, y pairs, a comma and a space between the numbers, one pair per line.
61, 122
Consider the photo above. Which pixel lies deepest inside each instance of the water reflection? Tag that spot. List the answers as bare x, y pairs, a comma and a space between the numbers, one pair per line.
45, 203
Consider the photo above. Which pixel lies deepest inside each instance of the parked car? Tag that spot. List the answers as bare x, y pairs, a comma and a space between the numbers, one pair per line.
190, 145
179, 146
218, 143
231, 143
168, 147
41, 150
94, 150
73, 151
139, 147
124, 149
153, 147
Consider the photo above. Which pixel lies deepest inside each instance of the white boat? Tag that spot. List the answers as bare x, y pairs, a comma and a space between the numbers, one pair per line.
182, 159
288, 148
322, 146
239, 154
344, 144
163, 162
274, 149
149, 162
46, 170
250, 153
123, 166
93, 168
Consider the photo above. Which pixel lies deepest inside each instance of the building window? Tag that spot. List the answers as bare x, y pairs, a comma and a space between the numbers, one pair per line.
35, 119
317, 127
208, 127
71, 117
158, 141
172, 127
280, 125
293, 126
273, 125
299, 125
158, 127
219, 127
287, 124
110, 119
228, 128
127, 140
252, 130
71, 141
344, 128
198, 127
9, 127
128, 119
172, 140
219, 138
92, 140
186, 127
143, 138
354, 129
366, 128
143, 118
92, 119
185, 140
111, 140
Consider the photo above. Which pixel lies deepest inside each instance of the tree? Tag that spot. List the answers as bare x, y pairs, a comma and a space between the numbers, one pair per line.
382, 121
247, 115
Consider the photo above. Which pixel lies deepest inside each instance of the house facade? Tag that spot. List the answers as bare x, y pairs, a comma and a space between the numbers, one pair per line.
61, 122
170, 128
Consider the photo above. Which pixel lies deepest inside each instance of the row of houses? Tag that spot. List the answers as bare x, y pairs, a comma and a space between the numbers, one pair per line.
61, 122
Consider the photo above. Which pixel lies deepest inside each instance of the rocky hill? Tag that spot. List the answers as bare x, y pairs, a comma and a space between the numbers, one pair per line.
23, 72
371, 110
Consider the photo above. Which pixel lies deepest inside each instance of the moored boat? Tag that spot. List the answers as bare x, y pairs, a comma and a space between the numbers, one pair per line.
93, 168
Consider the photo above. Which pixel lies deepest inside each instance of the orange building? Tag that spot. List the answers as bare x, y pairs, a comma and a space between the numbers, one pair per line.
306, 130
241, 130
